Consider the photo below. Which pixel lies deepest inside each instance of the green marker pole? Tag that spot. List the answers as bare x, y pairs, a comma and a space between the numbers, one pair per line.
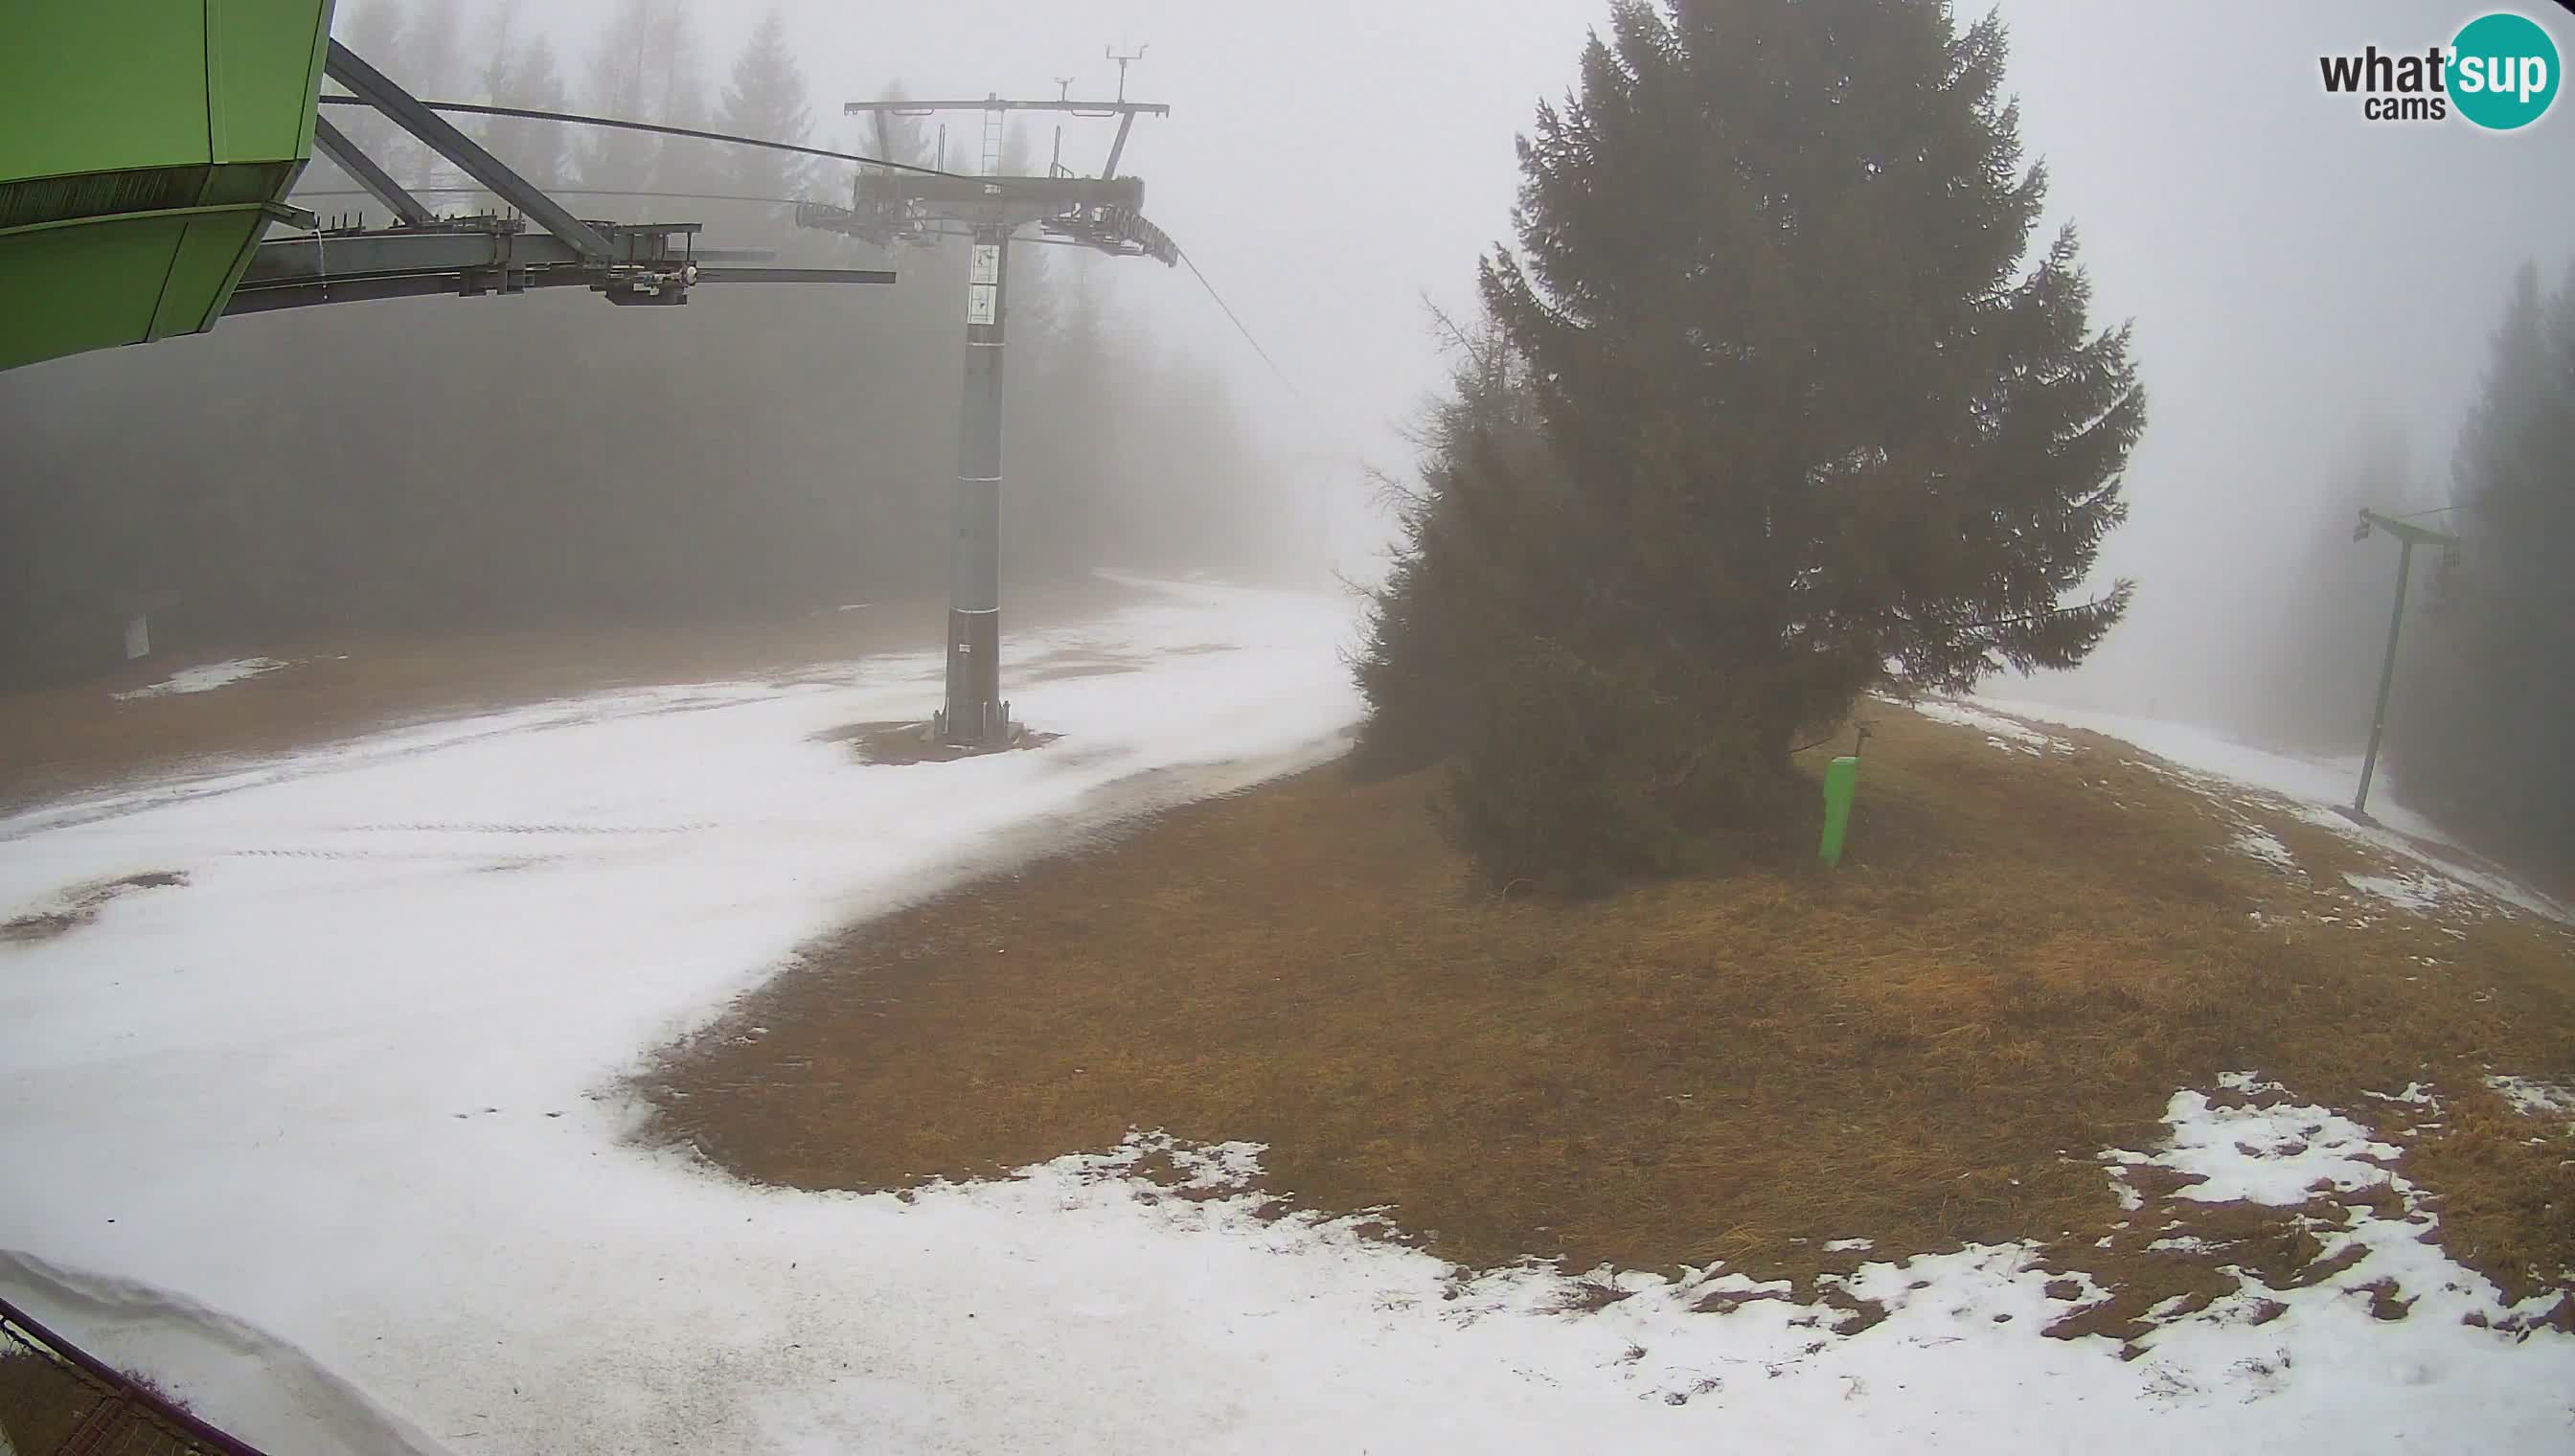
1841, 781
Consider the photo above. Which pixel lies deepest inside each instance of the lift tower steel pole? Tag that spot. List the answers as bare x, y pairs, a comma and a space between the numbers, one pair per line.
886, 208
2411, 537
975, 711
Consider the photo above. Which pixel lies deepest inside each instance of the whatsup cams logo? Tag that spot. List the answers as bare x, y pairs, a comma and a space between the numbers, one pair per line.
2499, 72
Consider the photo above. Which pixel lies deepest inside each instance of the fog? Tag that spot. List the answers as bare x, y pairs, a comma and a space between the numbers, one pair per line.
2302, 280
1330, 167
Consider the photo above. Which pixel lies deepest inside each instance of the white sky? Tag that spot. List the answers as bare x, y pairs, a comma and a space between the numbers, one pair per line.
2293, 269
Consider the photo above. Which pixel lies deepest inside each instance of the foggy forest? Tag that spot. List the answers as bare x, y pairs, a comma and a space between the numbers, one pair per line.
442, 469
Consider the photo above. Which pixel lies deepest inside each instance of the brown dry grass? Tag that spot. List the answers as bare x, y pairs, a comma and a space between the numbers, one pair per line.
41, 1402
80, 904
911, 743
2020, 961
48, 1406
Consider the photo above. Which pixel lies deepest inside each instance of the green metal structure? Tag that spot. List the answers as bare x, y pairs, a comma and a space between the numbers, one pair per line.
1841, 782
145, 147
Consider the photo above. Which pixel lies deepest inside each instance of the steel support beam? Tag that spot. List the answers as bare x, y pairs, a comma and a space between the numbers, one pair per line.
1027, 198
329, 258
993, 103
362, 170
440, 136
316, 291
311, 293
471, 243
1118, 148
460, 258
795, 275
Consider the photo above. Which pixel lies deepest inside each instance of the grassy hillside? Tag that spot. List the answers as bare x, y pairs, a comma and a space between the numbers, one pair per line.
2034, 942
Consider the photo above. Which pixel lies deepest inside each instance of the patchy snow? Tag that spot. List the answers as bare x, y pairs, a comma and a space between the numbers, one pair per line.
2286, 1154
2536, 1097
2448, 865
2328, 782
339, 1114
2420, 891
2290, 1156
2415, 1094
2001, 731
2318, 790
2271, 1154
2259, 843
204, 679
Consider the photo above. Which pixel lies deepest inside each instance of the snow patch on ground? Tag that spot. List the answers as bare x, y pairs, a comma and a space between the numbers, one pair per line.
204, 679
2317, 790
2415, 1094
1962, 1346
2001, 731
2481, 884
2258, 843
2420, 893
2536, 1097
2270, 1155
2328, 782
2283, 1154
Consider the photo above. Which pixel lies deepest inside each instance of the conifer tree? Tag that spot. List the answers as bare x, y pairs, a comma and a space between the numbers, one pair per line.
433, 67
767, 98
527, 75
377, 31
682, 165
1813, 419
629, 79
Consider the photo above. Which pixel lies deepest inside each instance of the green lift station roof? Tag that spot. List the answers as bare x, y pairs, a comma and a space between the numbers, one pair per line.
145, 146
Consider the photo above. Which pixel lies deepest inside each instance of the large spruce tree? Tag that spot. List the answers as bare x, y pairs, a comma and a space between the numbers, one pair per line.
1813, 416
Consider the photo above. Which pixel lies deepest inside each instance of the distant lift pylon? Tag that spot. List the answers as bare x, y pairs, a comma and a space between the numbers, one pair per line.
2410, 535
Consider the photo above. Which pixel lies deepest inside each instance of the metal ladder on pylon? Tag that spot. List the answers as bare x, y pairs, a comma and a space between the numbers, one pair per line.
992, 142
